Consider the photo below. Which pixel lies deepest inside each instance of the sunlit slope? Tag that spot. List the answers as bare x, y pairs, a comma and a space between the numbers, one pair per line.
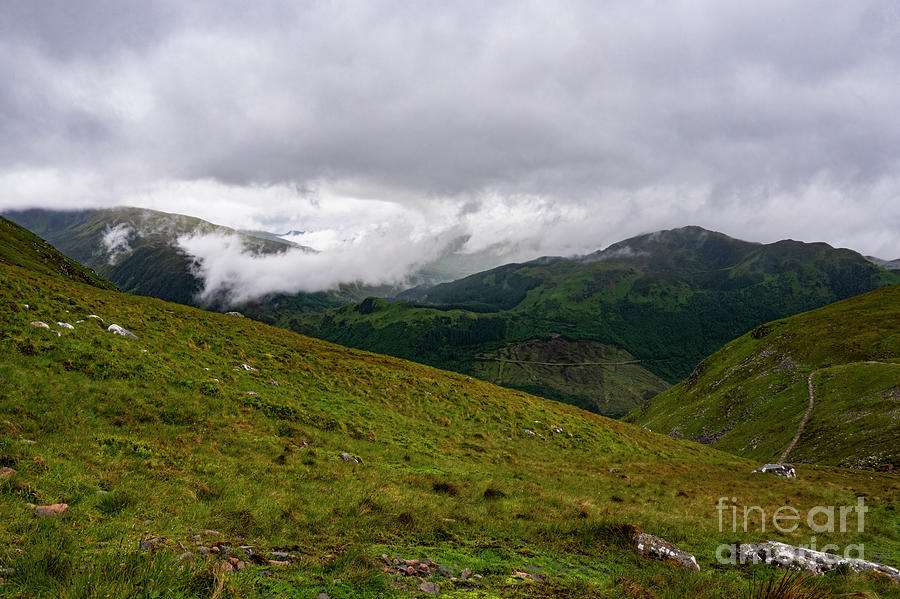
750, 396
208, 421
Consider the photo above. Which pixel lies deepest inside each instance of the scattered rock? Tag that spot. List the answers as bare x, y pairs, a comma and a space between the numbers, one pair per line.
557, 429
209, 533
118, 330
280, 555
466, 573
250, 393
95, 316
277, 562
659, 548
187, 555
6, 471
351, 458
528, 431
101, 492
322, 596
247, 550
248, 368
65, 325
79, 321
815, 562
238, 314
57, 509
527, 576
431, 588
273, 382
38, 323
151, 543
785, 470
26, 306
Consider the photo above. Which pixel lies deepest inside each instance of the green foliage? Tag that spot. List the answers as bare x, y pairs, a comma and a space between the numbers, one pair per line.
668, 299
448, 469
749, 397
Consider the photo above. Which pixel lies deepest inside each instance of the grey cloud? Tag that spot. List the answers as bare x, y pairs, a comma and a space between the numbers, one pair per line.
589, 118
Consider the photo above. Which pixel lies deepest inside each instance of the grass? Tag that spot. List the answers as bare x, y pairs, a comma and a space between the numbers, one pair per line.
752, 393
158, 437
670, 300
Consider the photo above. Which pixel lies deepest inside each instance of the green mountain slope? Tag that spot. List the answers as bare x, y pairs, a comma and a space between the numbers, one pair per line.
667, 299
750, 397
135, 248
169, 436
20, 247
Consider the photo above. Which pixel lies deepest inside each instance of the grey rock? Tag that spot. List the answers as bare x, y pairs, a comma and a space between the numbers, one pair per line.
187, 555
431, 588
7, 571
279, 554
225, 551
238, 314
528, 431
322, 596
6, 471
785, 470
659, 548
65, 325
351, 458
557, 429
150, 543
40, 324
248, 368
119, 330
203, 549
465, 573
247, 549
789, 557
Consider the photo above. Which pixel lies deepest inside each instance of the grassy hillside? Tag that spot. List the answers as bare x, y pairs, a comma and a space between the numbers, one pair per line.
667, 299
750, 396
20, 247
212, 422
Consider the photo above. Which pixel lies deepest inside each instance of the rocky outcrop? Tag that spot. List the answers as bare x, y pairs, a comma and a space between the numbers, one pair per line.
814, 562
785, 470
659, 548
118, 330
57, 509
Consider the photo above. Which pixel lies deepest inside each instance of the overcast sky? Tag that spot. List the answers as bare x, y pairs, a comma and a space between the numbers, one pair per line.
529, 127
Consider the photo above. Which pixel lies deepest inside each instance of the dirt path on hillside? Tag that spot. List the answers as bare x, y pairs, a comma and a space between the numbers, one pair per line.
805, 418
812, 402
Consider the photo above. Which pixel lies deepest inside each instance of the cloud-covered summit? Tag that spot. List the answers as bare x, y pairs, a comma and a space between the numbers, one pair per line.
546, 128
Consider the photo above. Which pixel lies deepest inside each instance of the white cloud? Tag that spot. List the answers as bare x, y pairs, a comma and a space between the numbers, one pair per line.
116, 241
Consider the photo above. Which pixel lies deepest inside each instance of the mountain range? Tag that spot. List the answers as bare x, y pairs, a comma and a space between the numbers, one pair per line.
206, 437
604, 331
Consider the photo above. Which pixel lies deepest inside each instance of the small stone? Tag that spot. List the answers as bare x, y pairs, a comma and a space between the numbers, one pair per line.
234, 561
187, 555
477, 576
351, 458
659, 548
238, 314
118, 330
240, 565
278, 562
150, 543
94, 316
214, 549
385, 559
273, 382
557, 430
322, 596
5, 471
431, 588
528, 431
203, 549
410, 571
466, 573
250, 393
248, 368
57, 509
247, 550
279, 555
226, 566
40, 324
65, 325
424, 569
101, 492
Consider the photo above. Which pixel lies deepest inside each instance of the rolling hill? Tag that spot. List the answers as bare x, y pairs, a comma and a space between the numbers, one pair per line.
607, 330
210, 436
750, 397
